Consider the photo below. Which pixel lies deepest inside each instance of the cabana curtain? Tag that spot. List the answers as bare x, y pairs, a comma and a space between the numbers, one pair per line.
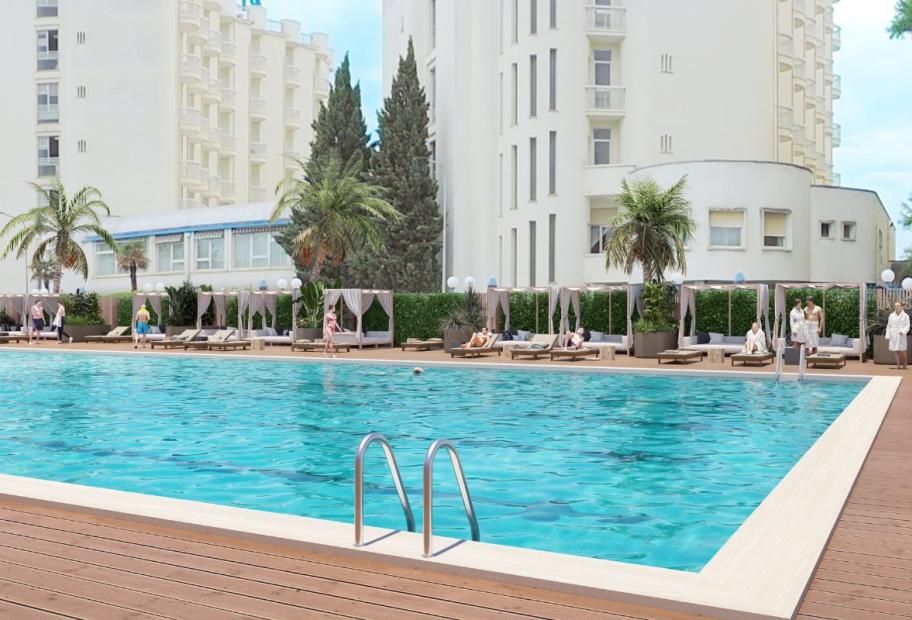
154, 299
781, 289
358, 301
202, 304
688, 301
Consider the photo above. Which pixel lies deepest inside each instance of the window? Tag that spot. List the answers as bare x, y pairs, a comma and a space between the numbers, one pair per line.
552, 162
514, 155
48, 112
601, 146
552, 14
169, 252
80, 38
775, 229
514, 23
433, 25
533, 85
210, 250
665, 143
533, 172
826, 230
533, 16
48, 156
258, 249
533, 245
513, 257
500, 26
81, 146
599, 235
552, 80
725, 229
432, 94
601, 67
513, 95
552, 245
500, 184
848, 231
665, 63
47, 50
80, 92
47, 8
105, 264
500, 104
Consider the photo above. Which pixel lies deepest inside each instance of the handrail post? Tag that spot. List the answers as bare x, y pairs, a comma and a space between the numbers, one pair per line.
428, 525
802, 362
359, 484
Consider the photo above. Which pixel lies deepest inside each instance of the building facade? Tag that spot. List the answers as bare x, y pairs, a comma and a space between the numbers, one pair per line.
164, 105
539, 108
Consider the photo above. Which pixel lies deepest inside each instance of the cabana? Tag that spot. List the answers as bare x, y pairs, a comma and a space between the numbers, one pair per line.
852, 347
154, 300
499, 298
570, 295
16, 306
253, 302
728, 343
219, 303
50, 302
358, 301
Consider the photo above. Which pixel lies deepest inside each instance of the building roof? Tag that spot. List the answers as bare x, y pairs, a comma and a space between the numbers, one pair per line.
190, 220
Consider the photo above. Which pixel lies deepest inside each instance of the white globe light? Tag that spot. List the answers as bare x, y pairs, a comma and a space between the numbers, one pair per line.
907, 284
44, 291
469, 282
296, 283
35, 291
282, 283
452, 282
148, 287
677, 278
887, 276
160, 287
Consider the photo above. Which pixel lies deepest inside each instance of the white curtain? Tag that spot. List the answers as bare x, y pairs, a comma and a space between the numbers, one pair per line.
254, 305
683, 305
553, 293
386, 302
575, 300
564, 311
270, 302
220, 302
491, 310
763, 295
779, 311
50, 304
633, 301
202, 304
243, 301
862, 312
357, 302
331, 298
505, 304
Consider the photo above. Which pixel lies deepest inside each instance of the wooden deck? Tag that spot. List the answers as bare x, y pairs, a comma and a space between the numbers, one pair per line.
62, 562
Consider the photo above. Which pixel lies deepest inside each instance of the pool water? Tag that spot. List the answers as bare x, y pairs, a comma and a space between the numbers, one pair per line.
656, 470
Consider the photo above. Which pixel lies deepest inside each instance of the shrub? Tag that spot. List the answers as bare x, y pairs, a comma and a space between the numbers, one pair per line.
658, 309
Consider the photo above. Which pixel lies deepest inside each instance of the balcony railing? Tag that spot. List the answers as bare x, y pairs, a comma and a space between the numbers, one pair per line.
190, 119
229, 51
605, 19
605, 99
204, 177
227, 189
258, 107
258, 63
786, 45
190, 172
837, 86
49, 113
229, 95
273, 25
47, 8
48, 166
293, 74
190, 203
257, 150
837, 38
227, 142
292, 117
837, 135
214, 136
190, 68
258, 194
214, 185
190, 13
321, 86
48, 59
214, 41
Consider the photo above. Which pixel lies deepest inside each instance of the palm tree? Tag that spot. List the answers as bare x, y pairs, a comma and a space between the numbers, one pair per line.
52, 228
650, 229
43, 270
343, 212
902, 21
131, 256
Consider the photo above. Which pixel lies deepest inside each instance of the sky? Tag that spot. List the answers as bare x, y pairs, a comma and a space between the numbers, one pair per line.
875, 110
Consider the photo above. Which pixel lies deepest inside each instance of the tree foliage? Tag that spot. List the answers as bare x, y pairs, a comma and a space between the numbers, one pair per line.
902, 20
131, 256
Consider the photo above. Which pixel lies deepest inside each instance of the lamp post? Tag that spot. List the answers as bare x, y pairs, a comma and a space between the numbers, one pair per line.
443, 248
25, 258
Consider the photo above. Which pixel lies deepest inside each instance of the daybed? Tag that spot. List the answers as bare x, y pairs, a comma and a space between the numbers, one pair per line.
488, 348
416, 344
728, 344
850, 347
368, 339
270, 336
758, 359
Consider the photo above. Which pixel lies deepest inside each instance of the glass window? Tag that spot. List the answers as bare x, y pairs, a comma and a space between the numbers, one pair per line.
258, 249
848, 231
601, 146
552, 14
432, 83
514, 155
533, 169
552, 162
826, 230
47, 50
48, 111
48, 156
105, 264
433, 19
601, 71
533, 17
514, 90
514, 22
775, 229
47, 8
552, 80
552, 245
725, 228
533, 85
170, 255
599, 234
533, 246
210, 253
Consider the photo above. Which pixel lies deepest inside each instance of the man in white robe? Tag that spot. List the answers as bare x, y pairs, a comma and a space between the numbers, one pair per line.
897, 330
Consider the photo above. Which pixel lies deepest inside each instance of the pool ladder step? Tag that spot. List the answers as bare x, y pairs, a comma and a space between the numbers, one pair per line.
428, 488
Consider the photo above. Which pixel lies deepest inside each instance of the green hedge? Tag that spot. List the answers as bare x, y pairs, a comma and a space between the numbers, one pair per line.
417, 315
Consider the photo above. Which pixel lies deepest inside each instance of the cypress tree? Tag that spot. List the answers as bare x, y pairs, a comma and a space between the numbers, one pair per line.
401, 166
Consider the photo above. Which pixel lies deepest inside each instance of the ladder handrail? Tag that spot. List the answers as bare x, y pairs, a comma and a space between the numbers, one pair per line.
429, 492
359, 484
802, 362
780, 351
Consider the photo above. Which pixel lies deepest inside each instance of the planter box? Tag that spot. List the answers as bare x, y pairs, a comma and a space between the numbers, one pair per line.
79, 332
453, 338
882, 352
650, 345
174, 330
308, 333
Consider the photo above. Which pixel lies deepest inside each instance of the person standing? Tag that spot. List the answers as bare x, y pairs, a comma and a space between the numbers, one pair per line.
813, 318
37, 314
897, 330
59, 319
796, 322
330, 325
142, 327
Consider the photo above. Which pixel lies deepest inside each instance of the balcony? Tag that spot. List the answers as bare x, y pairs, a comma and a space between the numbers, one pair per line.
190, 173
204, 178
190, 14
190, 68
203, 133
213, 44
837, 86
49, 113
258, 152
258, 194
202, 84
227, 142
190, 203
258, 64
837, 135
837, 38
213, 187
605, 101
604, 180
213, 93
229, 52
190, 120
292, 118
805, 10
46, 8
226, 189
292, 154
49, 166
213, 136
293, 76
48, 59
786, 51
605, 24
229, 97
258, 108
321, 87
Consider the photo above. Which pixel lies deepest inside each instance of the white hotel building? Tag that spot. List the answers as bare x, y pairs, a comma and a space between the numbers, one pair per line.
164, 105
541, 107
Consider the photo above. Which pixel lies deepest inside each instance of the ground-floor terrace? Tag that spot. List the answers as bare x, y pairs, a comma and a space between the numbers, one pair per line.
58, 560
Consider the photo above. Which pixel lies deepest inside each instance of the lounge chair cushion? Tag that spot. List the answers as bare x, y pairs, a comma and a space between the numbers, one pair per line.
270, 332
838, 340
155, 329
595, 336
524, 335
733, 340
373, 334
715, 338
702, 338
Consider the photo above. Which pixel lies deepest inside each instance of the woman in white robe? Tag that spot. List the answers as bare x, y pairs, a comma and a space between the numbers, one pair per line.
755, 341
813, 325
897, 330
796, 322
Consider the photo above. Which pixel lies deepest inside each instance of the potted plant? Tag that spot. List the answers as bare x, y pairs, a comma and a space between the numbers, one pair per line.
310, 321
182, 304
650, 230
462, 321
878, 329
82, 316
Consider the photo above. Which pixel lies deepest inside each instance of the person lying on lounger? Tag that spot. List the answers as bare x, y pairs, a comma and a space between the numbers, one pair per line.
574, 340
478, 339
755, 341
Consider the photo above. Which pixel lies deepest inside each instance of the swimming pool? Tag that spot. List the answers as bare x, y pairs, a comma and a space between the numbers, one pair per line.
655, 470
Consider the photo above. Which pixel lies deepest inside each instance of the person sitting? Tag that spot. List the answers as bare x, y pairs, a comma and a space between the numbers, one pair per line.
755, 341
478, 339
574, 340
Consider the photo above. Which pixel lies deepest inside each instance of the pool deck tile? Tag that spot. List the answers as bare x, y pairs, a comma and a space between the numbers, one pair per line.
59, 561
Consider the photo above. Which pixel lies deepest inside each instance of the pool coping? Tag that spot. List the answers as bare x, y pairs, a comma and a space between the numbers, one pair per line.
761, 571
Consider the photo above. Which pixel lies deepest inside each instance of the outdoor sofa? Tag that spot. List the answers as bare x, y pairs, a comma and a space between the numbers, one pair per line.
729, 345
270, 336
368, 339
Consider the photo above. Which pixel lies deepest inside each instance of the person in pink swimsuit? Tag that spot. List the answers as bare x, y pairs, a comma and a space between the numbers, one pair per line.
329, 331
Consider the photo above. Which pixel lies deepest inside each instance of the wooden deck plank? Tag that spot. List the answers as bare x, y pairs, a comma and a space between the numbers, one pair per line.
21, 612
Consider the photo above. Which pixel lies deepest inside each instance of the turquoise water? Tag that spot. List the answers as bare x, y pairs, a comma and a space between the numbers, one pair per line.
637, 468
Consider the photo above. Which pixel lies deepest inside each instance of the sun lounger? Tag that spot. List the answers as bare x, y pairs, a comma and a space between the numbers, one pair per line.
13, 337
118, 334
677, 356
313, 346
758, 359
416, 344
540, 345
487, 349
572, 355
228, 345
221, 335
178, 341
827, 360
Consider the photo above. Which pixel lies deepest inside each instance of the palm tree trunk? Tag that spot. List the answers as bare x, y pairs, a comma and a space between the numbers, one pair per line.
133, 277
647, 275
315, 272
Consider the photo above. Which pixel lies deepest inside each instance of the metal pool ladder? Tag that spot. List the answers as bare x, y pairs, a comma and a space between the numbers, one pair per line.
429, 493
802, 362
359, 484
